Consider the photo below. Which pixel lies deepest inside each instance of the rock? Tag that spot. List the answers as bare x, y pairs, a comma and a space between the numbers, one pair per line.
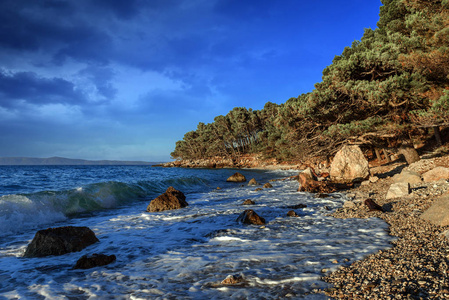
258, 189
253, 182
436, 174
292, 213
267, 185
398, 190
237, 177
407, 176
410, 154
297, 206
438, 212
60, 240
248, 202
349, 164
96, 260
349, 204
233, 279
171, 199
249, 216
374, 179
373, 206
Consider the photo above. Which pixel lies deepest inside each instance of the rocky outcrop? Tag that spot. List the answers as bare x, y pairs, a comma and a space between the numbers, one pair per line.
249, 216
171, 199
96, 260
398, 190
60, 240
349, 164
436, 174
237, 177
438, 212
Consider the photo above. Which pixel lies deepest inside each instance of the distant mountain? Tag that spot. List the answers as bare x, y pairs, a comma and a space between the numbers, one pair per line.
61, 161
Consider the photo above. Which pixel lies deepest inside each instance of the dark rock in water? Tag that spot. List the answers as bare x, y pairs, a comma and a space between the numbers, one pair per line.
249, 216
237, 177
258, 189
292, 213
253, 182
297, 206
373, 205
248, 202
268, 185
320, 195
171, 199
96, 260
60, 240
233, 279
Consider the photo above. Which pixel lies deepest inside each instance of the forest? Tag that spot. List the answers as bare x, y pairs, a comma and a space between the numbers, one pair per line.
388, 90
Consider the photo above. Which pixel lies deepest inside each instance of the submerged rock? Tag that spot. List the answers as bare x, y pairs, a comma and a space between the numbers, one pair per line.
249, 216
96, 260
237, 177
248, 202
171, 199
60, 240
292, 213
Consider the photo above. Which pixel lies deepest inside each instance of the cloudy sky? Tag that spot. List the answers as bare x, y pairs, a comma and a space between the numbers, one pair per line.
125, 79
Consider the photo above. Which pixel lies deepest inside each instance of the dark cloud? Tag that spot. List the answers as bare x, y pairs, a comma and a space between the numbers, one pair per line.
31, 88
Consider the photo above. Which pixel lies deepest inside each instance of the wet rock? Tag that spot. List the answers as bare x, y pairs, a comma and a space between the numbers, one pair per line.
60, 240
171, 199
292, 213
237, 177
373, 206
267, 185
253, 182
249, 216
438, 212
297, 206
248, 202
436, 174
258, 189
349, 164
233, 279
96, 260
398, 190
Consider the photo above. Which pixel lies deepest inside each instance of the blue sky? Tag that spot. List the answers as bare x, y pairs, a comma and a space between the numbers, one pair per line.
125, 79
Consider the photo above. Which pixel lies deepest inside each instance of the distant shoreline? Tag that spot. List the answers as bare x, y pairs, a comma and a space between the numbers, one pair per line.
61, 161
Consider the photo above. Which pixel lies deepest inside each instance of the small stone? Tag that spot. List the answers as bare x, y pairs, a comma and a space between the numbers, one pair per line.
248, 202
268, 185
398, 190
349, 204
253, 182
374, 179
233, 279
292, 213
258, 189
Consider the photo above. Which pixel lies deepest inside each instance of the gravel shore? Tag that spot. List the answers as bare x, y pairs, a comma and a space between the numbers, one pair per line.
417, 264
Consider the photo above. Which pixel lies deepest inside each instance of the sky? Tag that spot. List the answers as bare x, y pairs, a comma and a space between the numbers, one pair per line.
126, 79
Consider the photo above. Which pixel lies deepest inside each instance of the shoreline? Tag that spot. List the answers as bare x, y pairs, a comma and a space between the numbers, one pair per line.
416, 266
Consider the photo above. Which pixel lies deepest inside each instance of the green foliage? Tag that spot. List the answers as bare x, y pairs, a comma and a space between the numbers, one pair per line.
394, 79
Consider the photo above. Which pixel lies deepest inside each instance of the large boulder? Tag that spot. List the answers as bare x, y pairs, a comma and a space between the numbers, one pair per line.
438, 213
171, 199
60, 240
96, 260
436, 174
237, 177
249, 216
349, 164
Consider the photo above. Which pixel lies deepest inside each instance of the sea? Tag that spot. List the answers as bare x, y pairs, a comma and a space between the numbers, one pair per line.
177, 254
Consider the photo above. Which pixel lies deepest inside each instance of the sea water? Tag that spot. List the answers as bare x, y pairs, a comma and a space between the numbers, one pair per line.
178, 254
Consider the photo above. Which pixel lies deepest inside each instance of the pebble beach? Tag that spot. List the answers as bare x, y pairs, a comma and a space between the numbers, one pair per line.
416, 265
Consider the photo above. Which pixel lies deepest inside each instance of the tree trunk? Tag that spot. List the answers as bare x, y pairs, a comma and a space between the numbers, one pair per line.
436, 132
410, 154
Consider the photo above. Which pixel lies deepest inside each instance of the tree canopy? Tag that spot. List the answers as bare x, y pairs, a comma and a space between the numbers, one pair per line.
389, 87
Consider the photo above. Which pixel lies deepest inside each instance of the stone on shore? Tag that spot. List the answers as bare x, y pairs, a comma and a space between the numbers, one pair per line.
60, 240
249, 216
96, 260
253, 182
436, 174
438, 212
408, 176
398, 190
171, 199
237, 177
349, 164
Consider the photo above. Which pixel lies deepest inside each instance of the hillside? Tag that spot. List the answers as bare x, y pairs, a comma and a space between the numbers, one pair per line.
386, 91
59, 161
